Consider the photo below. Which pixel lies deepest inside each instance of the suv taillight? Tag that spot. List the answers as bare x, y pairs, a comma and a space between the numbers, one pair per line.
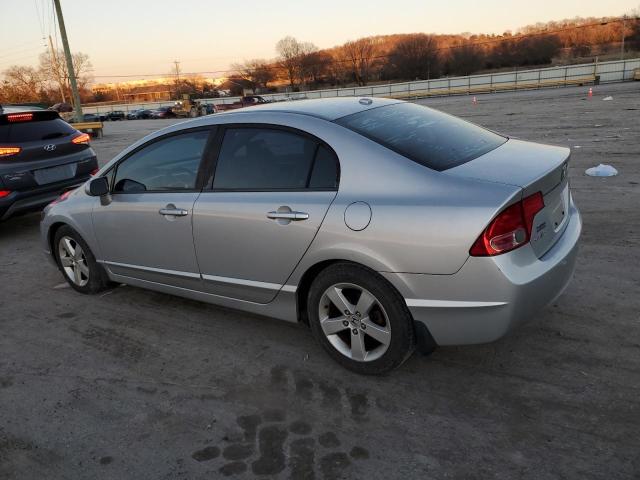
510, 229
9, 151
81, 139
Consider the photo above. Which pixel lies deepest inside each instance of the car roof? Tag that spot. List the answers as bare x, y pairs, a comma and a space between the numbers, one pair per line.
325, 108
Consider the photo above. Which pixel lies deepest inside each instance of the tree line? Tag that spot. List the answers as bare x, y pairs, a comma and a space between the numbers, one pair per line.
301, 65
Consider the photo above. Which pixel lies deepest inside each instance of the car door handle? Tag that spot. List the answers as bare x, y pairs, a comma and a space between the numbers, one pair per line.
295, 216
173, 211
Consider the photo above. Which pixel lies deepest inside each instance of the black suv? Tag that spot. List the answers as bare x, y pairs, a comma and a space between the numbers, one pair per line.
115, 115
41, 156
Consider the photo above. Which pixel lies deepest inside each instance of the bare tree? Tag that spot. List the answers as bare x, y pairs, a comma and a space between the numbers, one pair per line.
305, 60
256, 71
54, 68
289, 50
22, 84
361, 55
316, 65
465, 59
416, 56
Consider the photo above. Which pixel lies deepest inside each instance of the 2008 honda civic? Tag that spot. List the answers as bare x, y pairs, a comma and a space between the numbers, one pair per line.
383, 225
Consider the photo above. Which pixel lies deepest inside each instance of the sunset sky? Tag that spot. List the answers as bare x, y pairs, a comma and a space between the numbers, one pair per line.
144, 37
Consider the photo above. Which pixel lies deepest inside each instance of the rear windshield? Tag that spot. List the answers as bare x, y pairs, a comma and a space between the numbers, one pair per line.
429, 137
35, 130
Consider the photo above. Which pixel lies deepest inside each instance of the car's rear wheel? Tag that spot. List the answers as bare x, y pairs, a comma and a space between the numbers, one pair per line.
360, 319
77, 263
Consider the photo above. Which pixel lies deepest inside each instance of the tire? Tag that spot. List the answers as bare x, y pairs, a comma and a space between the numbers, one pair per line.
372, 342
92, 277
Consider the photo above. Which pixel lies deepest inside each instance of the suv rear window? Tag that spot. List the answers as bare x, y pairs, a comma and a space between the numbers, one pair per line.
432, 138
20, 132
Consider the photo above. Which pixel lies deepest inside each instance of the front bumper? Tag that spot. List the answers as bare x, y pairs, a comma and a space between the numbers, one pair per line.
490, 295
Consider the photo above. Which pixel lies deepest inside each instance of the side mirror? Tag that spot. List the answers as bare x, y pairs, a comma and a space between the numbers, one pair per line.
98, 187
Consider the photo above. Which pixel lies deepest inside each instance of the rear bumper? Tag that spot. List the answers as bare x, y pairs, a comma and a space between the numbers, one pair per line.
489, 296
27, 194
25, 201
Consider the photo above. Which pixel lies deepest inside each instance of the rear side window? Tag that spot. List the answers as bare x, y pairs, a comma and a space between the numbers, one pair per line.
269, 159
325, 170
170, 164
21, 132
429, 137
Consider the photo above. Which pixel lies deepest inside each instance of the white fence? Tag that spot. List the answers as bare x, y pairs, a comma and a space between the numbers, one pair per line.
608, 72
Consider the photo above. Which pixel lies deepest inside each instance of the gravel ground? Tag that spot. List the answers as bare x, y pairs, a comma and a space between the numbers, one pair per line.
136, 384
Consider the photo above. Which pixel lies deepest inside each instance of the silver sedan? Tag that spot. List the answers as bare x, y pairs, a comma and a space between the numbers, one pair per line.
383, 225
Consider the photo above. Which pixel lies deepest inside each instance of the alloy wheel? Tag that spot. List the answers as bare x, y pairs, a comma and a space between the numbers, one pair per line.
354, 322
73, 261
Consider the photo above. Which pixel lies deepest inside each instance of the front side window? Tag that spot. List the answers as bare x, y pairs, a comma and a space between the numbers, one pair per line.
268, 159
165, 165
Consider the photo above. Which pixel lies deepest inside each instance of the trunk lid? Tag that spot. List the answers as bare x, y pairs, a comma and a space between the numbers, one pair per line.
534, 168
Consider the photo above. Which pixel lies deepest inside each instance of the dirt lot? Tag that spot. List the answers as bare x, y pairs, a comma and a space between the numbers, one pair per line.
134, 384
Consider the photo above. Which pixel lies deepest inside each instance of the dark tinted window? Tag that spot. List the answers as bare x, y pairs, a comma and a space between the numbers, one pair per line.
260, 159
35, 130
169, 164
325, 170
434, 139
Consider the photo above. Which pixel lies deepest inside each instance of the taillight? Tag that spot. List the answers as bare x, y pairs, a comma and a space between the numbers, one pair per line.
20, 117
94, 171
510, 229
81, 139
8, 151
5, 193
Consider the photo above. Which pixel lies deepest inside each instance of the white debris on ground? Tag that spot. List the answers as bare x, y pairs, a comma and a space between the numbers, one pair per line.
602, 170
606, 99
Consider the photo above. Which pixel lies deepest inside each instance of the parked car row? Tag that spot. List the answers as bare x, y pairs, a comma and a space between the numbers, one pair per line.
168, 112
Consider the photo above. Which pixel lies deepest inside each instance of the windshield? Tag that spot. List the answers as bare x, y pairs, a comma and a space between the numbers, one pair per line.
429, 137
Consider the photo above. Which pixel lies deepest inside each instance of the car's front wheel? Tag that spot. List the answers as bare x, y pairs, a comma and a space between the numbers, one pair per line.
360, 319
77, 263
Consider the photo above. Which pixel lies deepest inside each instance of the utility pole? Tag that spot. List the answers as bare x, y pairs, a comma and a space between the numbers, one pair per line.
55, 70
624, 25
77, 106
177, 70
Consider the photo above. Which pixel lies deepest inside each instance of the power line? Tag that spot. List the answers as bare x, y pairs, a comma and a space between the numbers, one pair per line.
20, 52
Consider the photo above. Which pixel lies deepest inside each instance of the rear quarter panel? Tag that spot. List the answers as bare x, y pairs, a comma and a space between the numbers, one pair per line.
422, 221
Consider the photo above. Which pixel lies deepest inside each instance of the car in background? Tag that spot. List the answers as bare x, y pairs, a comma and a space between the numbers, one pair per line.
246, 101
115, 115
88, 117
91, 117
41, 156
132, 115
383, 225
144, 114
163, 112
